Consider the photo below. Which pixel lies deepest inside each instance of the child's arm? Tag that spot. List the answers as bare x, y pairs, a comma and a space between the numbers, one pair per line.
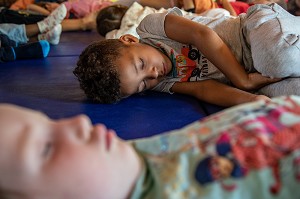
211, 45
86, 23
227, 6
214, 92
156, 4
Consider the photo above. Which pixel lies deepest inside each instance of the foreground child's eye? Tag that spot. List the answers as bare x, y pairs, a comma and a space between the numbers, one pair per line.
47, 149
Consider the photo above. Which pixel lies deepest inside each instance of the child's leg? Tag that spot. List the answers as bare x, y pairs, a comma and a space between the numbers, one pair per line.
11, 16
32, 30
6, 41
273, 35
15, 32
53, 19
6, 54
52, 36
22, 33
33, 50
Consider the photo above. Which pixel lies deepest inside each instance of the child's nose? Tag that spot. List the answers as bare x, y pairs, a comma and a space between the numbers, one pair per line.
78, 127
153, 73
83, 126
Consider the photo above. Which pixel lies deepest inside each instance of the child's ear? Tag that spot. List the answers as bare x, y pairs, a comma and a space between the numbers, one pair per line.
127, 39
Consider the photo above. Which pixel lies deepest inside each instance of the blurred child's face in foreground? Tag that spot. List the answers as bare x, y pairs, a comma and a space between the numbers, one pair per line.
66, 158
141, 67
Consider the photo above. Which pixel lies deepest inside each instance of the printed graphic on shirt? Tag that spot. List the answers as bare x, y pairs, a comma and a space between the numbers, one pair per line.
250, 147
256, 143
189, 65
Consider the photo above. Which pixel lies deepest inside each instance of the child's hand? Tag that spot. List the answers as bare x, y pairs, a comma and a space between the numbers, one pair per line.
256, 81
261, 97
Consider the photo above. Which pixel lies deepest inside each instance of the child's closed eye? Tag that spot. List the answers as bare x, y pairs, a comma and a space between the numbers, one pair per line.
47, 149
142, 64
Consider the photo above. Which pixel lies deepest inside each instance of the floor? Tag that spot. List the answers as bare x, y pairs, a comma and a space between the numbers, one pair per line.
48, 85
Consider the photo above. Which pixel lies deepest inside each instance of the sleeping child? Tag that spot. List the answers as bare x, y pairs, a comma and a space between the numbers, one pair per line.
248, 151
224, 61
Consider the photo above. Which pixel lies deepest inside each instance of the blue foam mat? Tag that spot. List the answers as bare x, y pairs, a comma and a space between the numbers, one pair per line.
48, 85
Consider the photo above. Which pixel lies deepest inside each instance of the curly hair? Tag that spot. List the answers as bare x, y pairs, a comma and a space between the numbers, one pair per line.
97, 71
110, 18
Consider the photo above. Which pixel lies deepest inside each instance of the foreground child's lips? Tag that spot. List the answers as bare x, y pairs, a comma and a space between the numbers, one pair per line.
103, 136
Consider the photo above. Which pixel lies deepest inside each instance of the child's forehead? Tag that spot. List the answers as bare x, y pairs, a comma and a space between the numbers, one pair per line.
12, 121
9, 116
15, 131
15, 120
8, 111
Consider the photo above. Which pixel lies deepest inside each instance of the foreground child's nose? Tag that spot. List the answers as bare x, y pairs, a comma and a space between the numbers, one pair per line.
78, 126
84, 126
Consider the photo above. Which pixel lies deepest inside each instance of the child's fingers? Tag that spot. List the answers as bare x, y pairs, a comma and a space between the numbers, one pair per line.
262, 97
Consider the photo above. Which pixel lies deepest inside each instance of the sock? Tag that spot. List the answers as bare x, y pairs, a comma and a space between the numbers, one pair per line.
53, 19
7, 54
35, 50
52, 36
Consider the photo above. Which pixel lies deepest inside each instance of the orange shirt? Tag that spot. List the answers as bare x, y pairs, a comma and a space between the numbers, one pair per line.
21, 4
204, 5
